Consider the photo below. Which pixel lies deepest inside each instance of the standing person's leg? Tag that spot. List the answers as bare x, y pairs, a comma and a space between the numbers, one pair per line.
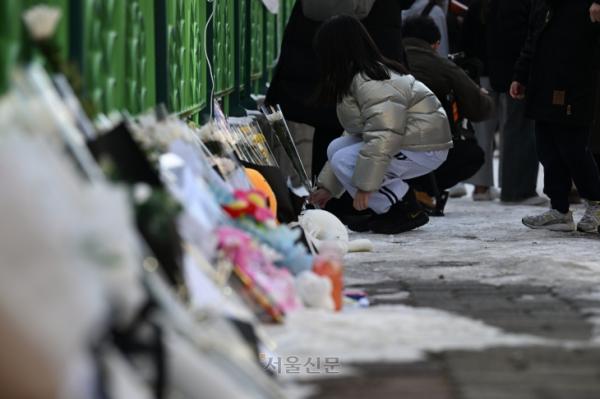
484, 133
595, 146
484, 177
303, 138
574, 146
557, 181
323, 136
519, 161
595, 142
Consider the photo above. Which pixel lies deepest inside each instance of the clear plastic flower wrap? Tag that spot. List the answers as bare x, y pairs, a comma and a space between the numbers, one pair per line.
283, 135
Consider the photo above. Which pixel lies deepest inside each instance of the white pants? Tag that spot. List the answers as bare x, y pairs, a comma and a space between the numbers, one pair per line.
343, 154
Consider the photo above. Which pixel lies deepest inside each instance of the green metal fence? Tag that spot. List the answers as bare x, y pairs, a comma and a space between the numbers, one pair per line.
223, 39
186, 61
257, 42
135, 53
104, 57
140, 70
9, 38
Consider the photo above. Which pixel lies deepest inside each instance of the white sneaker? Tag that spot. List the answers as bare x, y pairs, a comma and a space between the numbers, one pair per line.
458, 191
590, 222
551, 220
536, 200
491, 194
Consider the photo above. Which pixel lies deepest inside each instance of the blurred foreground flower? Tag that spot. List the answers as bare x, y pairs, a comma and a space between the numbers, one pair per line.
41, 21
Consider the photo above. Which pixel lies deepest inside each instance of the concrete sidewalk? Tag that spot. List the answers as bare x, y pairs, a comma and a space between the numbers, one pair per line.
473, 305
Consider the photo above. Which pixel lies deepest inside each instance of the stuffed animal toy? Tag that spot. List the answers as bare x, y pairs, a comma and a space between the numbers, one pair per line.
323, 227
314, 291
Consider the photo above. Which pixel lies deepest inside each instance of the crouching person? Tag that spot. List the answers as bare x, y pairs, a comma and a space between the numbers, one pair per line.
395, 129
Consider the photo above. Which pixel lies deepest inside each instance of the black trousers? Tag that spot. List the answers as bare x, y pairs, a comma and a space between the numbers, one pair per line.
464, 160
565, 153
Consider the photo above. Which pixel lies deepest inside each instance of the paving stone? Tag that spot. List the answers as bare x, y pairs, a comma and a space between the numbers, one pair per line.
496, 373
551, 316
532, 373
424, 380
555, 310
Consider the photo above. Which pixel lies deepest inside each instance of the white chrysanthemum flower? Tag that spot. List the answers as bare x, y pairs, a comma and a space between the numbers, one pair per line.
141, 192
226, 166
272, 6
41, 21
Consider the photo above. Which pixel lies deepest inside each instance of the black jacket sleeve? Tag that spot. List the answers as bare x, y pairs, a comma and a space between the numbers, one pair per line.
523, 66
472, 102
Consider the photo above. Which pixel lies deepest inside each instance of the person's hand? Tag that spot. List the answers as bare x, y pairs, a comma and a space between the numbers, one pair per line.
517, 91
595, 12
320, 197
361, 200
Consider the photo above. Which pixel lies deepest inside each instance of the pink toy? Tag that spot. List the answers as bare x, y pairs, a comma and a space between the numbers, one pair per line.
276, 284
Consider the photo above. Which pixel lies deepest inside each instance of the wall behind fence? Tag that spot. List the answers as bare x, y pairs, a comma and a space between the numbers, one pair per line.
134, 54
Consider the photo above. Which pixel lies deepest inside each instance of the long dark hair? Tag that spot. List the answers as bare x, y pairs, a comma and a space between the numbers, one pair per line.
344, 49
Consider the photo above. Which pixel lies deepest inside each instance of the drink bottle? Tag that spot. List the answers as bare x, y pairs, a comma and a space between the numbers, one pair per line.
328, 263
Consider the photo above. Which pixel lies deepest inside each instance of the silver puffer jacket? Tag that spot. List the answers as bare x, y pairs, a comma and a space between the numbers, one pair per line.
397, 114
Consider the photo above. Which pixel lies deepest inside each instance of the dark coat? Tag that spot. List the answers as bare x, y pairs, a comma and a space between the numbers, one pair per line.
296, 76
384, 24
595, 143
475, 34
506, 35
443, 77
558, 62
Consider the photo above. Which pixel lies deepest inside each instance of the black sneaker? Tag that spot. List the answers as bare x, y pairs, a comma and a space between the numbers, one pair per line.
394, 222
402, 217
358, 221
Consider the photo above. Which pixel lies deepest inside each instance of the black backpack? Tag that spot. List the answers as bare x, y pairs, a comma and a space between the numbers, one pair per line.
461, 127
